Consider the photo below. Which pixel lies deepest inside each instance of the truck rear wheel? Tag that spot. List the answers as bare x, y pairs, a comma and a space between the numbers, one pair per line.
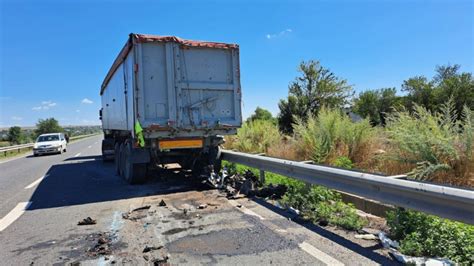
117, 158
134, 173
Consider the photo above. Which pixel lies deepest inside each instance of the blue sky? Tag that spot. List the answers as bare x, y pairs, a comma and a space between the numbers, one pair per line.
54, 55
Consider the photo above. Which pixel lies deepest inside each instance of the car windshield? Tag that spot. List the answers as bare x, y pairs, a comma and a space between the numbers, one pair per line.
47, 138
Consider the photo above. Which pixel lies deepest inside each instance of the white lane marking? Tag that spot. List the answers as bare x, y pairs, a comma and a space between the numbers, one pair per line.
89, 147
36, 182
245, 210
95, 142
13, 215
77, 154
319, 255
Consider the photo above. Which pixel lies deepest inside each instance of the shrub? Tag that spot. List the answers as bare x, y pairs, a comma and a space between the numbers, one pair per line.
343, 162
332, 134
427, 235
436, 144
314, 202
256, 136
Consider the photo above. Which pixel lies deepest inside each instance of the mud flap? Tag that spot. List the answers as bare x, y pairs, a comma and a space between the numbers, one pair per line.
141, 155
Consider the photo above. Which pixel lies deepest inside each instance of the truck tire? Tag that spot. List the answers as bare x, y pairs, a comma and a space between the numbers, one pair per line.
117, 158
134, 173
108, 144
121, 159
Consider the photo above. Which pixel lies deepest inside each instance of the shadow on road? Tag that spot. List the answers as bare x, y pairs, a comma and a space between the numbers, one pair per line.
83, 180
367, 252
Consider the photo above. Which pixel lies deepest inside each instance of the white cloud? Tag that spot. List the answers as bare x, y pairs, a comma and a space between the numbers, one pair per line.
45, 105
86, 101
279, 34
16, 118
78, 111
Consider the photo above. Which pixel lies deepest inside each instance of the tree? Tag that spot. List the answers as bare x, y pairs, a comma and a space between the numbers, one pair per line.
376, 104
15, 136
450, 84
420, 91
261, 114
314, 88
49, 125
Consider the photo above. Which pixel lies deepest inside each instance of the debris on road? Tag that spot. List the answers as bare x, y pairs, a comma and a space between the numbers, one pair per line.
87, 221
366, 237
387, 242
162, 203
151, 248
102, 246
202, 206
409, 260
161, 260
137, 213
246, 184
146, 207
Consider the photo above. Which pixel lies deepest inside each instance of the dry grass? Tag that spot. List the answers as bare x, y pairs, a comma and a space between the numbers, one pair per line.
284, 150
422, 142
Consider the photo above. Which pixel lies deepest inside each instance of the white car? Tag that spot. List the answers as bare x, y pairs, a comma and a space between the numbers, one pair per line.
50, 143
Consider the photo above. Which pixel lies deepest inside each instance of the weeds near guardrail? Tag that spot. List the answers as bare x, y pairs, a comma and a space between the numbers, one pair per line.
315, 203
427, 235
438, 146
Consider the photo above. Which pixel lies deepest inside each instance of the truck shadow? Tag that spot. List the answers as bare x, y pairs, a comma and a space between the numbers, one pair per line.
84, 180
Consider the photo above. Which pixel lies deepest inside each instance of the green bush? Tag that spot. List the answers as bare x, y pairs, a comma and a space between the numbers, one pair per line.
331, 132
343, 162
256, 136
434, 142
315, 202
427, 235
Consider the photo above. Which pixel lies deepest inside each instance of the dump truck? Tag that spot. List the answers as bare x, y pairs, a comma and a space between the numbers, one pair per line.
169, 100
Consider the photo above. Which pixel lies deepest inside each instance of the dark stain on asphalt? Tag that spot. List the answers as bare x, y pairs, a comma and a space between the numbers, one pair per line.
232, 242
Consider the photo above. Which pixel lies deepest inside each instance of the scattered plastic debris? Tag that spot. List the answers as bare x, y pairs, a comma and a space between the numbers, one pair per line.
294, 211
420, 260
366, 237
372, 231
87, 221
202, 206
387, 242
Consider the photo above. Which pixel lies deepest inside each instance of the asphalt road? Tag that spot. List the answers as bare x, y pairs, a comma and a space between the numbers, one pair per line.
43, 198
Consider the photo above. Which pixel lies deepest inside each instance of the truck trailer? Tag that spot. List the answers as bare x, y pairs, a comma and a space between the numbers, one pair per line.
169, 100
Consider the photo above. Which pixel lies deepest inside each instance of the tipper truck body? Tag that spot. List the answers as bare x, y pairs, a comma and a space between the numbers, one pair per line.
169, 100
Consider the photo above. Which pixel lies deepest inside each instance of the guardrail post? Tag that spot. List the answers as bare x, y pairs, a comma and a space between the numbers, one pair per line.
262, 176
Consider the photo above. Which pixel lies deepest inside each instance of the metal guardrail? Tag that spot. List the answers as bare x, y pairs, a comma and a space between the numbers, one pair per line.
447, 202
16, 147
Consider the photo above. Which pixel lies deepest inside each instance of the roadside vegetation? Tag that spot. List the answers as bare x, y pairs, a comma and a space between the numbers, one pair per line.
427, 133
315, 203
